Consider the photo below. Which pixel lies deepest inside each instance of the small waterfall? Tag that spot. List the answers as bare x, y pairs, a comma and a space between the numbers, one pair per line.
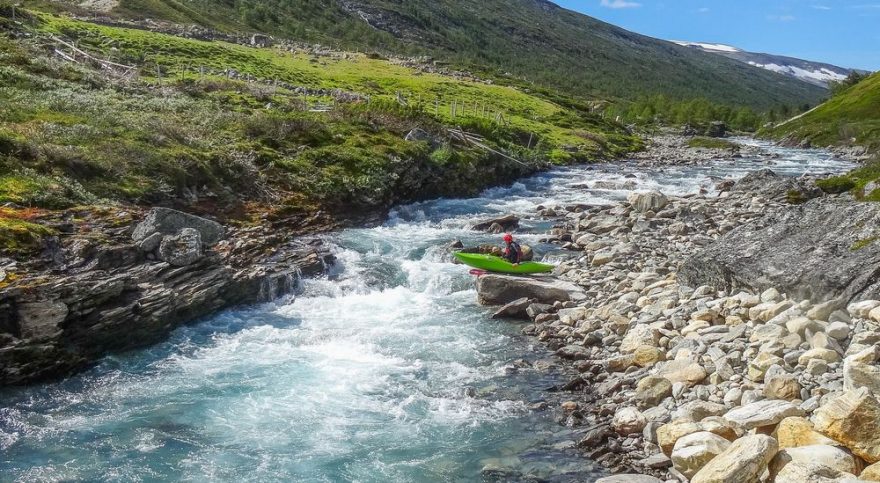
276, 285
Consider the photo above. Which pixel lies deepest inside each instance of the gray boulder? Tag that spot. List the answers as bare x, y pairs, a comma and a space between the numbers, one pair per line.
770, 185
182, 249
514, 310
494, 289
499, 224
819, 251
170, 222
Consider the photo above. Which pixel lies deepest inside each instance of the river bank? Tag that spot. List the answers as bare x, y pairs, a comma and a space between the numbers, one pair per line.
385, 369
677, 379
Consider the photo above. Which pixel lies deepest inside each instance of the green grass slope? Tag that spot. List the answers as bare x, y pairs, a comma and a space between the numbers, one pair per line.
530, 40
849, 118
182, 133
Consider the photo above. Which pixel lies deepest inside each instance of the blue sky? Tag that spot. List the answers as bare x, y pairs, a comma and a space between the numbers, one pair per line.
841, 32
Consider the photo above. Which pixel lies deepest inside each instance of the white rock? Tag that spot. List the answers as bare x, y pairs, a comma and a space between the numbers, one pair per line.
831, 456
628, 420
838, 330
770, 295
863, 308
857, 374
651, 201
762, 413
800, 325
698, 410
693, 451
824, 310
638, 336
826, 355
796, 472
743, 461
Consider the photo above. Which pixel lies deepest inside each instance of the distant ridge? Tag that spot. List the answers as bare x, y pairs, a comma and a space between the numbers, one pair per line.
531, 41
816, 73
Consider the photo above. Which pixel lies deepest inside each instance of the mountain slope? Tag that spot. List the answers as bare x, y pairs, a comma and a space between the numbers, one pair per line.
817, 73
850, 118
533, 40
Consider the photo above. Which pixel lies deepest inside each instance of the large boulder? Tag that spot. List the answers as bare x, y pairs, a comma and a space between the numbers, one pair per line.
182, 249
853, 420
770, 185
685, 371
871, 473
494, 289
809, 251
650, 201
498, 224
831, 456
628, 420
693, 451
744, 461
762, 413
798, 431
166, 221
812, 472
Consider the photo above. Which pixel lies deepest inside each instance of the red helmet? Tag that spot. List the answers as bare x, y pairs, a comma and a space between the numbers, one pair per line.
508, 237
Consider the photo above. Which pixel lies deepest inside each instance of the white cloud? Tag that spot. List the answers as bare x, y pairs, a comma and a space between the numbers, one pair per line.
620, 4
821, 7
781, 18
703, 10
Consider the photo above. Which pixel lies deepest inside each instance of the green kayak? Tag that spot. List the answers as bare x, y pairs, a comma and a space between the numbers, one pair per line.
492, 263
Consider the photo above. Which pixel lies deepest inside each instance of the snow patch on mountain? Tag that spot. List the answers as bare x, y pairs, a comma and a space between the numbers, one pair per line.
816, 73
823, 75
705, 46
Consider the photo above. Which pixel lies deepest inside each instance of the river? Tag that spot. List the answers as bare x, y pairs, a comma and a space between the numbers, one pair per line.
387, 370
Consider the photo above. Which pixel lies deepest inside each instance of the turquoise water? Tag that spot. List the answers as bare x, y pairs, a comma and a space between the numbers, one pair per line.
387, 370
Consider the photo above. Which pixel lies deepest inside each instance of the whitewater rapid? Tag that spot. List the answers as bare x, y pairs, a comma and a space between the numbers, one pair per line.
386, 370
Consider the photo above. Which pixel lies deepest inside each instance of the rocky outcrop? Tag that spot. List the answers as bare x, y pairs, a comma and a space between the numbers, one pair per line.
749, 363
766, 183
821, 250
494, 289
52, 326
498, 224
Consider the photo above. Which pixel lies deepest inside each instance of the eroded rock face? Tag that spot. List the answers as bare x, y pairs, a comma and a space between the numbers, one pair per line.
770, 185
166, 221
56, 326
182, 249
770, 253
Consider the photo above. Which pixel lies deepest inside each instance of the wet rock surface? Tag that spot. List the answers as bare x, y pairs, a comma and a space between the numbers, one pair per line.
133, 290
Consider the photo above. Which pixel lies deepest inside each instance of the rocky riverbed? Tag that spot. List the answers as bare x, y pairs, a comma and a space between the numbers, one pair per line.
721, 337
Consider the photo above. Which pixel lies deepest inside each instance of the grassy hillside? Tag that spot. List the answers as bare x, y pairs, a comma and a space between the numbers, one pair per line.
286, 132
851, 117
521, 40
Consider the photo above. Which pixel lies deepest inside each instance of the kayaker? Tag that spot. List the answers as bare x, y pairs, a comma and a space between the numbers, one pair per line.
512, 251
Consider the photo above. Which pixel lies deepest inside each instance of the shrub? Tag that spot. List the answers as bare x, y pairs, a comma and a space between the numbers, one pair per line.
836, 184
